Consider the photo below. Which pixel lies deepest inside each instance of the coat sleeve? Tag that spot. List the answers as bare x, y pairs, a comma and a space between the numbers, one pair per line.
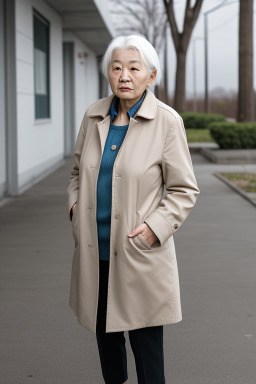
73, 188
180, 183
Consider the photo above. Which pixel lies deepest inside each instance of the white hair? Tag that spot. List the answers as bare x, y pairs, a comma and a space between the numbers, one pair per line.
141, 45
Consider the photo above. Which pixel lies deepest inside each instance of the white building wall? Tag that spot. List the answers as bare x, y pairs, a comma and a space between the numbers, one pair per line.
2, 105
40, 143
103, 8
85, 77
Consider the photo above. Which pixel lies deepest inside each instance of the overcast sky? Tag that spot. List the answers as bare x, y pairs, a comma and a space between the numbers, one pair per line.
222, 46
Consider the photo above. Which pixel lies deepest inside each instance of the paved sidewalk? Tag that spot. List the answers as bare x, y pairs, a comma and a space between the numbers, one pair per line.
215, 343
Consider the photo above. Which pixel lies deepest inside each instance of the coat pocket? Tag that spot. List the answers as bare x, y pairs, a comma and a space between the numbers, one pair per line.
75, 227
139, 241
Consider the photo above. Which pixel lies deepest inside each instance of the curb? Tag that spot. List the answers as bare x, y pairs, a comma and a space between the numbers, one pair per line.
230, 156
242, 193
196, 147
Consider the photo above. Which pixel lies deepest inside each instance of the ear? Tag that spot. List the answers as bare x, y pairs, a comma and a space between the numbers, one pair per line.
152, 77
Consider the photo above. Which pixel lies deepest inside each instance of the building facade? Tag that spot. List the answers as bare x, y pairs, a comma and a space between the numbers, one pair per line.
49, 73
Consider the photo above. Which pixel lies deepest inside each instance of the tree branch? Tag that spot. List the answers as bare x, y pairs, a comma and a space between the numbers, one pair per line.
190, 19
171, 18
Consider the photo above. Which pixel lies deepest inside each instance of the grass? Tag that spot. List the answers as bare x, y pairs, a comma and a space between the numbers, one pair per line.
245, 181
199, 136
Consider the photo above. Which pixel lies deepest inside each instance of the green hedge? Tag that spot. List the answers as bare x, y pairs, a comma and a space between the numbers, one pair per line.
234, 135
200, 120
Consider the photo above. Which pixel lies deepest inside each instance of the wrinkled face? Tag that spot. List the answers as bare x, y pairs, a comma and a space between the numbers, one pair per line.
128, 75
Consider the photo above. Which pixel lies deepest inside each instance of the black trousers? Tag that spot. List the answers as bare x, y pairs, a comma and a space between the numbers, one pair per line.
146, 344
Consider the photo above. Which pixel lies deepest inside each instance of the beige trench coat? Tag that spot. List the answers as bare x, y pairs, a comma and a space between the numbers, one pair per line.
143, 287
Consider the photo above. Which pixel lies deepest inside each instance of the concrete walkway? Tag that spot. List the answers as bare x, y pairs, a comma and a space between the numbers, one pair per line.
215, 343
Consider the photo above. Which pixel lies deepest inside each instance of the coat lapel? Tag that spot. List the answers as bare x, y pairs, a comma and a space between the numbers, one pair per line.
101, 108
103, 128
146, 110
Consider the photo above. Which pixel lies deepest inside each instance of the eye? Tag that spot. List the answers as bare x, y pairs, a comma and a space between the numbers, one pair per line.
134, 69
116, 68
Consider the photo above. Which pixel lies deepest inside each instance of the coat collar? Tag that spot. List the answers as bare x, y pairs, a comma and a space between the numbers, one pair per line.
132, 111
146, 110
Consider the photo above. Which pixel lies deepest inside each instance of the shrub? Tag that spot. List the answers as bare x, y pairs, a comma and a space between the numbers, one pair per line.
200, 120
234, 135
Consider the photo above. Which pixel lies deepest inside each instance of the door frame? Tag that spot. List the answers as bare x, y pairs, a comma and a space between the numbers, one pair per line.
69, 98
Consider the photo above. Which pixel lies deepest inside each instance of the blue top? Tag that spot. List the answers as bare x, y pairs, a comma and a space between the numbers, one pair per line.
115, 103
113, 143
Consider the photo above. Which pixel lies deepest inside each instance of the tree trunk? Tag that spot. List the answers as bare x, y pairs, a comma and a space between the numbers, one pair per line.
180, 82
166, 94
181, 41
245, 94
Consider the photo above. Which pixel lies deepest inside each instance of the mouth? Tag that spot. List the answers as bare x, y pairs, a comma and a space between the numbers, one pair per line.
125, 89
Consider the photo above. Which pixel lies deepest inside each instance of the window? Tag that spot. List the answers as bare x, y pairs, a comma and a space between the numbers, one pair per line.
41, 66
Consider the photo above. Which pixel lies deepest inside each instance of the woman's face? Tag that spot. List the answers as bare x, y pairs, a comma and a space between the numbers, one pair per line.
128, 75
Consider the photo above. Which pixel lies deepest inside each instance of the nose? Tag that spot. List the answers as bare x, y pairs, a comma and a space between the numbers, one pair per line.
124, 76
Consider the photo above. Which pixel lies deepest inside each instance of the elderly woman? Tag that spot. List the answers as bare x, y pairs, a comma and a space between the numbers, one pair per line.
132, 186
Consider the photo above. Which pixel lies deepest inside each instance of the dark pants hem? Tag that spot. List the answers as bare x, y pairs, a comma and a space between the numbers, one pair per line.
146, 344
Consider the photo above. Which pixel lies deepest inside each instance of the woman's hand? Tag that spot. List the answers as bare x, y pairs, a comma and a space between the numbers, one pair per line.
73, 209
146, 232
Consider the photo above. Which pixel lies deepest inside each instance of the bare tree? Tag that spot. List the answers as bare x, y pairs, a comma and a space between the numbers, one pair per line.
146, 17
245, 93
181, 41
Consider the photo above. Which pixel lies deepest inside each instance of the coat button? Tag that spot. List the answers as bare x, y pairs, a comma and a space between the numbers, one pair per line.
113, 147
115, 253
117, 215
90, 245
175, 226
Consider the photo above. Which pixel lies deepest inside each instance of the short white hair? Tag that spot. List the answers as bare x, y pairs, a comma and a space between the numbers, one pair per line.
141, 45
